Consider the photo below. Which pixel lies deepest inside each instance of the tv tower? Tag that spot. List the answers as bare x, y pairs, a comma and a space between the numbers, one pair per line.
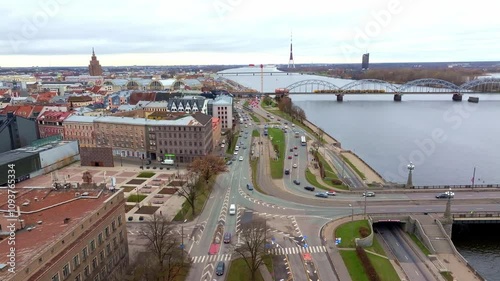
290, 61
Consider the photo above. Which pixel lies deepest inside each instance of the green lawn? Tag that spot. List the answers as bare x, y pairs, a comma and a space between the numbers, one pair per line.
136, 198
314, 181
289, 118
246, 103
357, 272
447, 276
360, 174
185, 212
230, 149
278, 138
127, 188
254, 118
349, 231
420, 244
254, 165
146, 174
384, 268
255, 133
238, 271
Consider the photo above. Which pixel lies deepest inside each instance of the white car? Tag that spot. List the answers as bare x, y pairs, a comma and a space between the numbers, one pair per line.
222, 145
236, 152
241, 158
294, 165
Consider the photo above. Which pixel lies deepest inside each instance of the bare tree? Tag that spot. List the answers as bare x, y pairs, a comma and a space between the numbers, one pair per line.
190, 190
321, 135
164, 247
252, 249
208, 166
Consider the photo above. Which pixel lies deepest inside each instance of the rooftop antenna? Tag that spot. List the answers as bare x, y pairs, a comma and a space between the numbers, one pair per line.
290, 61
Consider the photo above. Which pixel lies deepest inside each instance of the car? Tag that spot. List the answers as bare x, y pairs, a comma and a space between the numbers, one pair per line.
222, 145
297, 182
296, 154
219, 270
294, 165
229, 162
287, 171
241, 158
249, 186
236, 152
234, 158
310, 188
227, 238
369, 194
331, 193
291, 149
447, 194
294, 147
289, 156
322, 195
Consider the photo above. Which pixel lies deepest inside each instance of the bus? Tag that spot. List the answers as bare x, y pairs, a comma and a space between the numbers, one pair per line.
169, 159
297, 134
303, 140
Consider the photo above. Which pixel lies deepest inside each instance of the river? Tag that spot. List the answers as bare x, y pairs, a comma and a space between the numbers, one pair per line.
445, 140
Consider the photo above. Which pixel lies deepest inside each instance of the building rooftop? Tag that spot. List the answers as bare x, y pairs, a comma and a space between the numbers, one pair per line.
20, 153
80, 119
48, 216
223, 100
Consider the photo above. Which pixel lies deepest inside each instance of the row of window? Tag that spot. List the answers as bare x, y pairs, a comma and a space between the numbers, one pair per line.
180, 143
175, 128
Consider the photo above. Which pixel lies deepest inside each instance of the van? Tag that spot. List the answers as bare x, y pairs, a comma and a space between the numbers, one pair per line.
232, 209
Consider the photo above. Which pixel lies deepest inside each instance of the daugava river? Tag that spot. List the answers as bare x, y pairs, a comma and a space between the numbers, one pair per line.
445, 140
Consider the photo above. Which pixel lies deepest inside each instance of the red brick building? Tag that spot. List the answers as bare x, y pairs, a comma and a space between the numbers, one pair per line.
50, 123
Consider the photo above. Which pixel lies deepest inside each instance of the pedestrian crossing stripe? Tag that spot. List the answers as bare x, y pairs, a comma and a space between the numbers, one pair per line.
297, 250
211, 258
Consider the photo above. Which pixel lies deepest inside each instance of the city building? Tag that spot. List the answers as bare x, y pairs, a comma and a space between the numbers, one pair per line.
365, 63
79, 101
188, 104
81, 129
182, 139
16, 131
72, 234
95, 68
222, 108
50, 123
126, 135
216, 131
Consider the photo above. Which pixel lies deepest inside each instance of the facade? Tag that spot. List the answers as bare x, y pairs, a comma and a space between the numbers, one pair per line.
81, 129
94, 66
50, 123
365, 63
67, 235
186, 138
216, 131
188, 104
126, 135
222, 108
97, 156
16, 131
79, 101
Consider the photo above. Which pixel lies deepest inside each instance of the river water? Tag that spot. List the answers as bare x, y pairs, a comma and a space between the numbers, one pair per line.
445, 140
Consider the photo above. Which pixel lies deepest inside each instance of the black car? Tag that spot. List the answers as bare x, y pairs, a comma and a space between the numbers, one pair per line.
220, 268
297, 182
227, 238
310, 188
287, 171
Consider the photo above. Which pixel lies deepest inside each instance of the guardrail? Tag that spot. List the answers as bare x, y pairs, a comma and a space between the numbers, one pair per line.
476, 215
456, 186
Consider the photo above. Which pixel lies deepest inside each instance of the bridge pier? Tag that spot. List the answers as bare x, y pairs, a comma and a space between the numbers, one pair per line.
397, 97
457, 97
340, 97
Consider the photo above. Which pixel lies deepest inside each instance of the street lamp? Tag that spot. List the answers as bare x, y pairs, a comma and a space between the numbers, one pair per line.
352, 212
409, 183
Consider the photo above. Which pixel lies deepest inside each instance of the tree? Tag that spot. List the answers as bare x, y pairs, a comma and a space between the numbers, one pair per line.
229, 137
190, 190
321, 135
252, 249
165, 255
208, 166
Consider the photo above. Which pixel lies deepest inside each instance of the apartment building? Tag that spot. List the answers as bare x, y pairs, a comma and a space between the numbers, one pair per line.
76, 235
81, 129
222, 108
50, 123
126, 135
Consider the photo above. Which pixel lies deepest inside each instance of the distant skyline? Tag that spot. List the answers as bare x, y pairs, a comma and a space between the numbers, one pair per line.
201, 32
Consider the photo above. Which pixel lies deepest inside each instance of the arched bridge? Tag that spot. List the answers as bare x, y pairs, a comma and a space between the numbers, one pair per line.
374, 86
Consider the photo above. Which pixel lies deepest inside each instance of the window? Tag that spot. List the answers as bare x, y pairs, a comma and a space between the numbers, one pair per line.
78, 278
66, 271
96, 278
114, 243
119, 220
86, 271
108, 250
94, 263
55, 277
107, 231
113, 225
101, 256
92, 245
85, 253
103, 272
99, 238
76, 261
121, 236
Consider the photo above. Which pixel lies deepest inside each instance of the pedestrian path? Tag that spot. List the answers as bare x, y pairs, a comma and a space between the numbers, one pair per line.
211, 258
297, 250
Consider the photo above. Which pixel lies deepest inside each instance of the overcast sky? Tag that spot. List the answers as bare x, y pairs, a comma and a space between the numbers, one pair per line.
154, 32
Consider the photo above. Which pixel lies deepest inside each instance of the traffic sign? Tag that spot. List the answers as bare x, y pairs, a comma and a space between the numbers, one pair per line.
338, 241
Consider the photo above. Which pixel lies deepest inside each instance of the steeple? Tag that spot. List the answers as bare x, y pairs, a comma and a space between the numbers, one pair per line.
94, 66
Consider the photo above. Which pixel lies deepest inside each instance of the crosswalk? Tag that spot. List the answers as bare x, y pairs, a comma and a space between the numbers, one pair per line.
297, 250
211, 258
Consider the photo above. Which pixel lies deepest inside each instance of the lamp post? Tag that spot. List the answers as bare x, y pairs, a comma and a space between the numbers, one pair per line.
409, 183
352, 212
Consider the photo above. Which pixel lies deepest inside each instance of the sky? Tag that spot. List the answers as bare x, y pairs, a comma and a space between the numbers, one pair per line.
201, 32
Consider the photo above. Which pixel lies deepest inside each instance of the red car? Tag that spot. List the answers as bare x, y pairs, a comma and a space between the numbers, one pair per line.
294, 147
289, 156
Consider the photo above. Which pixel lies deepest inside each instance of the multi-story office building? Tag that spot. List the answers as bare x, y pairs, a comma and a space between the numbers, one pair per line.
222, 108
76, 235
365, 63
126, 135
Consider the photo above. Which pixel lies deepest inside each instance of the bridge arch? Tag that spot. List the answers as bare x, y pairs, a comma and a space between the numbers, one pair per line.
437, 85
482, 85
315, 84
383, 86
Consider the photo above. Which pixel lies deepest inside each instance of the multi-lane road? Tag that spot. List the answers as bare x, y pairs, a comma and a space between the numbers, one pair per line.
295, 216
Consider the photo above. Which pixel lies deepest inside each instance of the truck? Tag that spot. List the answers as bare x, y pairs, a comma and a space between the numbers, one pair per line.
265, 132
281, 91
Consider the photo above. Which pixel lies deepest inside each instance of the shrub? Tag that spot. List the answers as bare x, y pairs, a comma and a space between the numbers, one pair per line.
367, 265
364, 232
337, 182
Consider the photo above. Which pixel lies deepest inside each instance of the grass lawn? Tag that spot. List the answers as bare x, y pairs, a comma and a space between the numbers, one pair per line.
268, 261
360, 174
136, 198
278, 139
349, 231
146, 174
246, 103
420, 244
289, 118
384, 268
185, 212
230, 149
255, 133
254, 118
447, 276
238, 271
353, 264
312, 180
127, 188
254, 165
